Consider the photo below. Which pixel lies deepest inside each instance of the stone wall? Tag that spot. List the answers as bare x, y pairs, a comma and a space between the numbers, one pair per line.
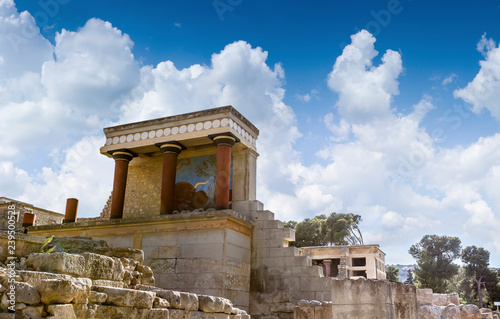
447, 306
88, 285
205, 252
281, 276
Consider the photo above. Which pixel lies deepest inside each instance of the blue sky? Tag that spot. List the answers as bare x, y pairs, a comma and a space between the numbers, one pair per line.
398, 123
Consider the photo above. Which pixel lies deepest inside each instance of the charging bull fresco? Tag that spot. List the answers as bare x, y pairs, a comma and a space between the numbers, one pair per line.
195, 184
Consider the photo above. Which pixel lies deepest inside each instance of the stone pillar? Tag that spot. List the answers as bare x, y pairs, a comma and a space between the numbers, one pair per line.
170, 152
29, 219
71, 210
328, 267
122, 159
224, 144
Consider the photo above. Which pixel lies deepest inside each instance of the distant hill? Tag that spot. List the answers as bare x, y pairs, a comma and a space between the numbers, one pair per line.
403, 270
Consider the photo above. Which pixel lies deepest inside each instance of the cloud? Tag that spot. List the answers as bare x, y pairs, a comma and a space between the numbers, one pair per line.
93, 68
483, 92
450, 79
365, 91
308, 96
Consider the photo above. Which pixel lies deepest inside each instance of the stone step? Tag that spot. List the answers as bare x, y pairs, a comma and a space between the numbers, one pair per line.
264, 215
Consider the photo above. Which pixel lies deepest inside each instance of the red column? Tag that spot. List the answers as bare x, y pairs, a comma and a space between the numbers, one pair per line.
122, 158
170, 152
71, 210
29, 219
328, 268
223, 166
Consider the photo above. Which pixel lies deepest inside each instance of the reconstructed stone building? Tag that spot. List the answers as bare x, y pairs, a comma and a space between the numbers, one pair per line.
184, 192
353, 262
43, 216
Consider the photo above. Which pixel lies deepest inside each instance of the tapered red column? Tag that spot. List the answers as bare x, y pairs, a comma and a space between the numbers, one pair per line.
122, 159
223, 166
170, 152
71, 210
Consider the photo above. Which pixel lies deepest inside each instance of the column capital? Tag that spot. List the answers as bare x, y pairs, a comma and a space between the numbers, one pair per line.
173, 147
123, 155
228, 139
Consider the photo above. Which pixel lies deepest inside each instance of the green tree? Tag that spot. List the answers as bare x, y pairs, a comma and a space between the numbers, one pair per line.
435, 255
392, 273
336, 229
409, 280
476, 261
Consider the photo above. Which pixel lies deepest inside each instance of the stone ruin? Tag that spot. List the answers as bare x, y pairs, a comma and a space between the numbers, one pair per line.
183, 224
85, 278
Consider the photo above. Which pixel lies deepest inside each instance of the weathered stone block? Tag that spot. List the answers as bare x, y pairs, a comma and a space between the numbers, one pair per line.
60, 291
424, 297
189, 301
97, 297
112, 312
29, 312
58, 262
304, 312
107, 283
98, 266
161, 303
451, 312
127, 297
173, 297
429, 312
469, 312
26, 293
177, 314
211, 303
157, 313
33, 277
61, 311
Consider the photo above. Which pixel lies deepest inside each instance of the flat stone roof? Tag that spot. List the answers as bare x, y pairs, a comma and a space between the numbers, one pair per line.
168, 119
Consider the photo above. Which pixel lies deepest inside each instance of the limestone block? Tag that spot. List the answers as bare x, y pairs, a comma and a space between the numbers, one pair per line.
61, 311
444, 300
107, 283
26, 293
451, 312
469, 312
173, 297
485, 310
99, 266
60, 291
163, 266
214, 304
424, 297
97, 297
7, 315
135, 254
269, 224
58, 262
122, 297
177, 314
29, 312
33, 277
112, 312
161, 303
264, 215
429, 312
189, 301
84, 311
156, 313
284, 252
